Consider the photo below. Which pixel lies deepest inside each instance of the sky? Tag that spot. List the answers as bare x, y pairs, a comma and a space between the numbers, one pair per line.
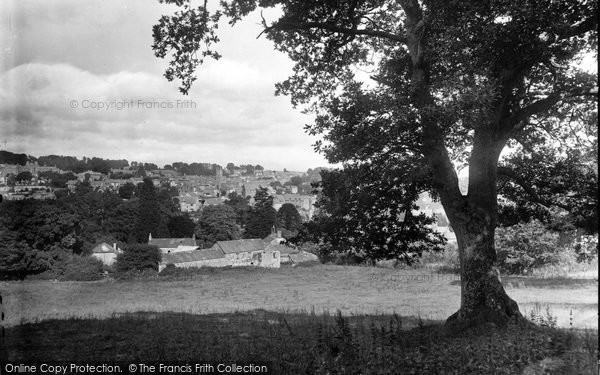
80, 78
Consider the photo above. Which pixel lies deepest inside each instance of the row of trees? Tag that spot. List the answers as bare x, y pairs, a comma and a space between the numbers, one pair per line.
38, 236
238, 219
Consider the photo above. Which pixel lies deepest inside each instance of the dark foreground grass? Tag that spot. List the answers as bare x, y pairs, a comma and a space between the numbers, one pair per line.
307, 343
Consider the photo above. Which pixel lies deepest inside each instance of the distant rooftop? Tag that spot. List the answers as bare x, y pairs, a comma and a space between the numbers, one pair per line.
191, 256
240, 246
168, 243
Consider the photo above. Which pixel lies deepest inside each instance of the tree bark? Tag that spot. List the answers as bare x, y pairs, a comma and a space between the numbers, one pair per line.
483, 298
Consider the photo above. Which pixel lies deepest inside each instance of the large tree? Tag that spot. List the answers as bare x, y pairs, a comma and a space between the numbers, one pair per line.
262, 217
451, 82
149, 217
217, 223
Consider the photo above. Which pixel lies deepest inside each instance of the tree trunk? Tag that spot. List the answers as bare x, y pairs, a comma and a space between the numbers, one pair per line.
483, 298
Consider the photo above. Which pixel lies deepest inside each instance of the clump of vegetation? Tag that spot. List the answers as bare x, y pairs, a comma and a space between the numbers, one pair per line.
586, 248
526, 246
81, 268
172, 272
543, 318
72, 268
138, 258
446, 261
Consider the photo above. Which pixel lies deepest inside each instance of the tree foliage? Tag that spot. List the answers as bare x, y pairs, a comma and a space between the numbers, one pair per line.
357, 213
289, 218
241, 206
138, 257
217, 223
148, 219
181, 226
524, 247
262, 217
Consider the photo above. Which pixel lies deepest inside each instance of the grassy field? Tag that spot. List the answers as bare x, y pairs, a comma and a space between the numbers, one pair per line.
322, 288
389, 322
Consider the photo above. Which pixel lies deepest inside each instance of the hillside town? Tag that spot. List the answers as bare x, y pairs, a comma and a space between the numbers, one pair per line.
35, 181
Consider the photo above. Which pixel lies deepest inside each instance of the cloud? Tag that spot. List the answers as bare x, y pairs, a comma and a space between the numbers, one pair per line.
80, 78
231, 115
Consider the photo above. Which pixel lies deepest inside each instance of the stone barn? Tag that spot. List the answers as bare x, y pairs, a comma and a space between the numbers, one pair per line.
236, 253
250, 252
194, 258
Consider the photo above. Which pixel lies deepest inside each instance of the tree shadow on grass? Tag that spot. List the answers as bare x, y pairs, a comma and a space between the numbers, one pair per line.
296, 343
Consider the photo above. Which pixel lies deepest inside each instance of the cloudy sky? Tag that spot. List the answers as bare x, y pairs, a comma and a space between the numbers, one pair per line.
76, 78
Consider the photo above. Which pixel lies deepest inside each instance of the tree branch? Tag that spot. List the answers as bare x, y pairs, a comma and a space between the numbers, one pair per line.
587, 25
519, 180
291, 26
545, 104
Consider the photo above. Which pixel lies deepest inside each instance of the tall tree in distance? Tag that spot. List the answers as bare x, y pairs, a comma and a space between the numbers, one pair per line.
217, 223
289, 218
262, 217
451, 82
148, 215
241, 206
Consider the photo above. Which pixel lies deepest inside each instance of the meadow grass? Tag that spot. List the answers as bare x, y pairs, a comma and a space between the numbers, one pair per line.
389, 321
352, 290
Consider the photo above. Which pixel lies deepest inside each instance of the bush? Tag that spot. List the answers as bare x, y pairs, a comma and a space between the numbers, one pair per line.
72, 268
586, 248
132, 274
446, 261
138, 258
523, 247
81, 268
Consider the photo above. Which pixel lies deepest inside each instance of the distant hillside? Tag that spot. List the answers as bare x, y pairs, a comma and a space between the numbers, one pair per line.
7, 157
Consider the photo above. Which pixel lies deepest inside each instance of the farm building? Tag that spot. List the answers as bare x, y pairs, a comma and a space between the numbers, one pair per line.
234, 253
249, 252
172, 245
194, 258
106, 253
289, 254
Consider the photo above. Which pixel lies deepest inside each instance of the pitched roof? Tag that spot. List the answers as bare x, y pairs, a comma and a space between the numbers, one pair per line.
240, 246
191, 256
171, 243
103, 248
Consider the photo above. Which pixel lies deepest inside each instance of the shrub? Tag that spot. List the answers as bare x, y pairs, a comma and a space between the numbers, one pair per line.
523, 247
446, 261
81, 268
138, 258
586, 248
133, 274
72, 268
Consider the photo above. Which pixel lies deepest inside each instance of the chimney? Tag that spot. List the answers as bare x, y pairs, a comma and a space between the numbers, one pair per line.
278, 234
114, 246
149, 237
